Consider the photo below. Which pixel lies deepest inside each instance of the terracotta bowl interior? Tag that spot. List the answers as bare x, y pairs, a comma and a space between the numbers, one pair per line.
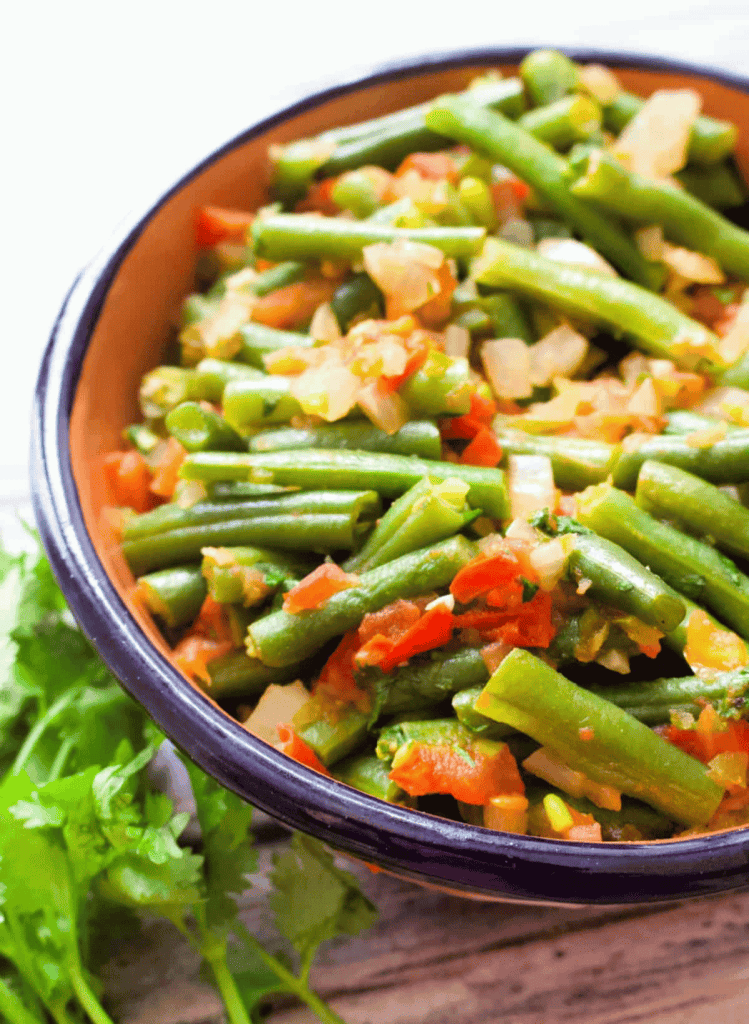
141, 307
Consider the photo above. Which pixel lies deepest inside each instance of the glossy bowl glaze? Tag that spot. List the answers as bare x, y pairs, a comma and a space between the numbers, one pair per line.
113, 327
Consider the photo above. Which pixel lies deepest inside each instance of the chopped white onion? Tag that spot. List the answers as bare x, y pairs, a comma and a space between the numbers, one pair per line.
507, 364
329, 391
521, 529
386, 409
549, 562
633, 367
560, 353
692, 266
645, 400
735, 342
546, 764
324, 326
569, 250
655, 141
447, 601
518, 231
507, 814
650, 242
277, 706
600, 82
726, 403
457, 341
405, 271
530, 480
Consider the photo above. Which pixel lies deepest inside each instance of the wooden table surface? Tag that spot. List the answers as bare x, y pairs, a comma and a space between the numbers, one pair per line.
118, 104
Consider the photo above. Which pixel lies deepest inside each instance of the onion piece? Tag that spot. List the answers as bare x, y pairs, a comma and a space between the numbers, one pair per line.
519, 231
735, 342
530, 480
457, 341
549, 562
569, 250
386, 409
645, 400
277, 706
507, 813
655, 141
405, 272
324, 325
650, 242
730, 404
560, 353
547, 765
599, 82
691, 266
507, 364
329, 391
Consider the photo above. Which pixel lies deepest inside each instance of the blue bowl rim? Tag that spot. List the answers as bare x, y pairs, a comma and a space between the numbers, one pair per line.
423, 847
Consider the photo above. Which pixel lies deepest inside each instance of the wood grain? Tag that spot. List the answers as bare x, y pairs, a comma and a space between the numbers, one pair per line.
433, 959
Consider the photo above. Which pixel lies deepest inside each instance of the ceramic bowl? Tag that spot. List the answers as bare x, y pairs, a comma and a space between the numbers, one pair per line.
113, 327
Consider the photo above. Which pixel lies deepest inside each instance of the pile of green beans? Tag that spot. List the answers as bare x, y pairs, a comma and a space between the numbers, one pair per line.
269, 495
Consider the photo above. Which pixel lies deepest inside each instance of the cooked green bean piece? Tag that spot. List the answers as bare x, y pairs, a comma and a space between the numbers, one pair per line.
174, 595
299, 235
141, 437
370, 775
621, 752
565, 121
359, 504
429, 511
441, 387
710, 141
417, 437
247, 575
685, 219
421, 684
281, 638
652, 702
294, 532
507, 317
356, 299
667, 492
255, 403
576, 461
166, 387
723, 462
463, 706
433, 732
257, 341
317, 468
385, 141
547, 75
654, 325
277, 277
688, 565
718, 186
202, 430
217, 373
242, 490
685, 421
544, 170
236, 675
331, 738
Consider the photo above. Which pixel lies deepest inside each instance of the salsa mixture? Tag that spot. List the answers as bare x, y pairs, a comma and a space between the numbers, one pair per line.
445, 494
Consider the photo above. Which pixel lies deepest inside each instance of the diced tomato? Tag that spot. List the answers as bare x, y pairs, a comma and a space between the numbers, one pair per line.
483, 408
392, 621
710, 310
166, 470
483, 450
425, 768
129, 477
337, 681
484, 573
317, 587
709, 646
433, 629
509, 194
291, 745
437, 310
418, 346
374, 650
294, 304
193, 653
433, 166
212, 621
527, 625
215, 224
509, 595
705, 745
319, 199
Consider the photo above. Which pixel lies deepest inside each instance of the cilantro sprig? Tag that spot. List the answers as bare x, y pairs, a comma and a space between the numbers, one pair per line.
86, 840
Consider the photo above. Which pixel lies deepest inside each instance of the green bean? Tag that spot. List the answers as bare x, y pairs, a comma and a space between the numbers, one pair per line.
257, 341
685, 421
544, 170
355, 191
430, 511
195, 308
141, 437
247, 575
718, 186
565, 121
417, 437
254, 403
281, 638
442, 386
202, 430
476, 197
174, 595
359, 504
576, 461
545, 227
299, 235
385, 141
548, 75
331, 738
356, 299
294, 532
236, 675
166, 387
595, 737
652, 702
654, 325
277, 277
423, 683
722, 462
370, 775
242, 490
215, 374
685, 219
669, 493
315, 469
709, 142
433, 732
688, 565
463, 706
507, 316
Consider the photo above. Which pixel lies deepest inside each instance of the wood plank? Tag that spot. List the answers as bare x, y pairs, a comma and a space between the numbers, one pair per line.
433, 957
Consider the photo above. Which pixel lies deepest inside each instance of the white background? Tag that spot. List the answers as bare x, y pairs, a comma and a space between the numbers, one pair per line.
106, 104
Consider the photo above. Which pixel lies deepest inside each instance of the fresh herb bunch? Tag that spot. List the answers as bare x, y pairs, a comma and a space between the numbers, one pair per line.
87, 841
